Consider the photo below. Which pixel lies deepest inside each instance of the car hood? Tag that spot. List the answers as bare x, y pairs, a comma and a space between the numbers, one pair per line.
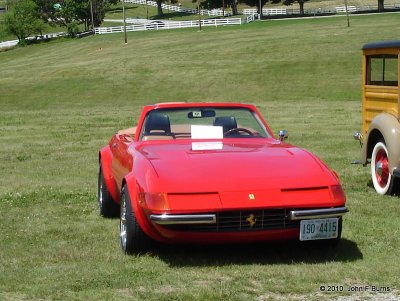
237, 166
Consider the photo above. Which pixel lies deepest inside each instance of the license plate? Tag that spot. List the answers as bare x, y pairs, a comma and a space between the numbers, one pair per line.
324, 228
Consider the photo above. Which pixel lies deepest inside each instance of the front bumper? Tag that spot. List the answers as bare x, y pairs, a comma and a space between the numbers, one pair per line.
183, 219
317, 213
293, 215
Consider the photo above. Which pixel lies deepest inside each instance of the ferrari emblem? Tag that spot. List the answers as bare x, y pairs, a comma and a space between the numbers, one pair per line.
251, 196
251, 219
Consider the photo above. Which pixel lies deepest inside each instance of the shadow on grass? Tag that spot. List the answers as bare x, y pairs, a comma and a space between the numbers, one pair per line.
271, 253
118, 10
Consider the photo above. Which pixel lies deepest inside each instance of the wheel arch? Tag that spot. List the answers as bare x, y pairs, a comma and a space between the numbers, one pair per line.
105, 160
374, 137
384, 127
135, 191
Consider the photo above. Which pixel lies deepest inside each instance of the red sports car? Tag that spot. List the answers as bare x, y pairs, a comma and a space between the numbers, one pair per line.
214, 173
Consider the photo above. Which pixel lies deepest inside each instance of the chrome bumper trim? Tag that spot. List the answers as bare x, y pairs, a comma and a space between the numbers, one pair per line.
180, 219
317, 213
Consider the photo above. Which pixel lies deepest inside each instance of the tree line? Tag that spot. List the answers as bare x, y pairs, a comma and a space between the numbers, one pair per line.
28, 17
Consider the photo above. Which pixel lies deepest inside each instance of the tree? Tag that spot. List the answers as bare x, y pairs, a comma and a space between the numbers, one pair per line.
381, 5
213, 4
23, 19
72, 13
159, 5
233, 4
159, 8
301, 4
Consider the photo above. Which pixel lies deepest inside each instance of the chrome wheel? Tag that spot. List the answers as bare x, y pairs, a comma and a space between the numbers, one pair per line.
100, 193
133, 239
123, 226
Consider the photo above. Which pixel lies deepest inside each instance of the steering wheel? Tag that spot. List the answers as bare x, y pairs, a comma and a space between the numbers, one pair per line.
234, 130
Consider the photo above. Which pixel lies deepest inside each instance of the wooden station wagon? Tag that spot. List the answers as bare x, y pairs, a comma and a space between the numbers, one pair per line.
380, 136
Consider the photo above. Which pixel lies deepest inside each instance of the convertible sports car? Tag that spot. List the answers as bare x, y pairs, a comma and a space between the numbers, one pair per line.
214, 173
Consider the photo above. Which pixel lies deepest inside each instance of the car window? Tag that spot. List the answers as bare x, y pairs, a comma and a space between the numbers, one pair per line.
382, 70
177, 123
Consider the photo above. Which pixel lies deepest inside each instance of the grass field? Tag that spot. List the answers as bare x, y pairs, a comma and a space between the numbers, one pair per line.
61, 101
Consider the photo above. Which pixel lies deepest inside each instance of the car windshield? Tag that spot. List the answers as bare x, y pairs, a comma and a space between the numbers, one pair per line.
202, 123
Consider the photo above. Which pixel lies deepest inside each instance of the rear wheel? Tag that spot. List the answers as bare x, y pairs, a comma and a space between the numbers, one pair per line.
133, 239
383, 181
107, 207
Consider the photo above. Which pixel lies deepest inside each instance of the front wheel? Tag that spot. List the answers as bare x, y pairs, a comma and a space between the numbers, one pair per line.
383, 181
133, 239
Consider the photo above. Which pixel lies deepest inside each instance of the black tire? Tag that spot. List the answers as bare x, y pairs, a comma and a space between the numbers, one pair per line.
107, 207
382, 180
133, 239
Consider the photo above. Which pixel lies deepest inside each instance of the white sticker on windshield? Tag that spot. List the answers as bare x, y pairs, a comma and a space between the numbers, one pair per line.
197, 114
206, 132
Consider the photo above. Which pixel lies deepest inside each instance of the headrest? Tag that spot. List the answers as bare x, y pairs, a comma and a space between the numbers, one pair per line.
227, 122
157, 123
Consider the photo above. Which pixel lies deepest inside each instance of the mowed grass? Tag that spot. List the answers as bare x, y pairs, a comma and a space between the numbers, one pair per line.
61, 101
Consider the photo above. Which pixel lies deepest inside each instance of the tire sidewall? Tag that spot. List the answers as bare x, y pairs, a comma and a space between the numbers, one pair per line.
107, 207
379, 189
136, 241
100, 191
124, 211
129, 246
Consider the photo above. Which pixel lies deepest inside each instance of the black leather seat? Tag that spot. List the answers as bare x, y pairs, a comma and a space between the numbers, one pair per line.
227, 123
157, 124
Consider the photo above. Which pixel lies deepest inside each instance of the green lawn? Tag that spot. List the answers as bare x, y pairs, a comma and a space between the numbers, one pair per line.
61, 101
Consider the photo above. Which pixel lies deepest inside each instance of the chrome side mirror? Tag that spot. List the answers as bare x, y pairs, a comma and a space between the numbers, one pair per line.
283, 135
357, 136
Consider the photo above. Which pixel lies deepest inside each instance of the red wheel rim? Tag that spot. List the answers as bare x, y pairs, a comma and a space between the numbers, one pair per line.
382, 168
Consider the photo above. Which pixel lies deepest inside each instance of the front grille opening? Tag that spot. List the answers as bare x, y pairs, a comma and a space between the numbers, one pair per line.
242, 221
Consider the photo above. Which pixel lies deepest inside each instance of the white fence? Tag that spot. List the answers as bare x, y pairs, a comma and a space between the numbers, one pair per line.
8, 44
338, 9
157, 25
128, 20
352, 9
249, 18
205, 12
342, 9
266, 12
43, 37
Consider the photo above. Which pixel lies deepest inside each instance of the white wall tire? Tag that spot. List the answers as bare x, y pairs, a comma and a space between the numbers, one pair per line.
382, 180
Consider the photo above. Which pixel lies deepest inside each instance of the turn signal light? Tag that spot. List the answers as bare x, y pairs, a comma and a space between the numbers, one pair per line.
338, 194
